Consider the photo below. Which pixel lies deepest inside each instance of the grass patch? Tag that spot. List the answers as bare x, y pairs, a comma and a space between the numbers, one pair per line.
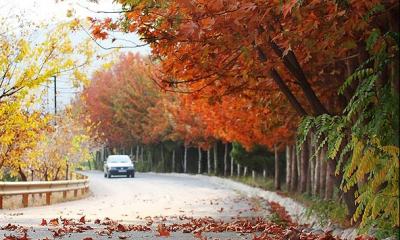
259, 182
326, 211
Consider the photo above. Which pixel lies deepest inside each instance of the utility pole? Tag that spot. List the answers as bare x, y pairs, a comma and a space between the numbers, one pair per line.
55, 95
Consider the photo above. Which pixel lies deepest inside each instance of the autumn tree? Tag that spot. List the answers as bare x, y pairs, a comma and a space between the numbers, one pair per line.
61, 149
25, 67
122, 118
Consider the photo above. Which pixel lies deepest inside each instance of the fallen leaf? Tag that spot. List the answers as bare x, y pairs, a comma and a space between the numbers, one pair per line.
122, 228
82, 220
43, 223
54, 222
162, 231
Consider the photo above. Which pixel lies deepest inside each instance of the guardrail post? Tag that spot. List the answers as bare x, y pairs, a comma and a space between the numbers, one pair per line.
25, 199
65, 194
75, 193
1, 202
48, 196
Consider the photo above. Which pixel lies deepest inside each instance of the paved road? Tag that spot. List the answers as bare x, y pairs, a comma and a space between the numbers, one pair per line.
130, 200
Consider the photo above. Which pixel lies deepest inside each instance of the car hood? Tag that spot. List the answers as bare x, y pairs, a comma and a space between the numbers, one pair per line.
119, 164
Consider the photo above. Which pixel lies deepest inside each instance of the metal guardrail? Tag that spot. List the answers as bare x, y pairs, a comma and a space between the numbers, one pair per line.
40, 187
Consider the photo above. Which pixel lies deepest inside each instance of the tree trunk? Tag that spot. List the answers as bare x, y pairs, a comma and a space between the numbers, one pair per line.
185, 160
56, 175
137, 153
348, 196
162, 157
277, 181
216, 158
322, 170
90, 166
308, 183
46, 175
349, 199
245, 171
330, 179
22, 175
291, 63
298, 163
97, 160
288, 166
150, 158
209, 161
281, 84
238, 170
173, 161
317, 174
304, 167
226, 159
253, 174
141, 153
294, 175
131, 152
102, 158
66, 171
264, 173
310, 176
199, 163
232, 166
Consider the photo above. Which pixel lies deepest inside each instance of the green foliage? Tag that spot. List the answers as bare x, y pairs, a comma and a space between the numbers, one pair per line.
385, 231
325, 211
259, 182
275, 218
367, 133
142, 166
258, 158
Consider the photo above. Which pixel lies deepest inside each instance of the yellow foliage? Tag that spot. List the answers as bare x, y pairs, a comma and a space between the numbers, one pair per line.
25, 67
375, 168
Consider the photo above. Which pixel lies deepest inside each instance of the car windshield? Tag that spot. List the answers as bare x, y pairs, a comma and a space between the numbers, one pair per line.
118, 160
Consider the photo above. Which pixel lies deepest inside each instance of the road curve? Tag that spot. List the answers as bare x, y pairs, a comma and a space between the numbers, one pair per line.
129, 200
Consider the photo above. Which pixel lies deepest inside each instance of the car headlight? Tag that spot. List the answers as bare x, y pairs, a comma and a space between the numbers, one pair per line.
113, 168
130, 167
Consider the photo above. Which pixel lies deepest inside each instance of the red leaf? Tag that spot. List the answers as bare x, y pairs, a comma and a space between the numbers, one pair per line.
43, 223
162, 231
122, 228
287, 7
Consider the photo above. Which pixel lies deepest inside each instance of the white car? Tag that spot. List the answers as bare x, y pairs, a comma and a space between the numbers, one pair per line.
119, 165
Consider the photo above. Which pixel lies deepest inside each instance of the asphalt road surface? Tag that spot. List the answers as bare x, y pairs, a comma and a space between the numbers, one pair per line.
133, 200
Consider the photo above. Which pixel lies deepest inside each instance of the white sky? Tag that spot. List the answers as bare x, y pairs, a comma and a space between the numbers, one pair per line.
53, 11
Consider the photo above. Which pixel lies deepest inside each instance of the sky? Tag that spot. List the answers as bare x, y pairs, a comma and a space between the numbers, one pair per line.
53, 11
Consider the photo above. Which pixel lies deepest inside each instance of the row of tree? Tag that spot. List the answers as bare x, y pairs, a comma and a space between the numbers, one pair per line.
260, 71
165, 132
